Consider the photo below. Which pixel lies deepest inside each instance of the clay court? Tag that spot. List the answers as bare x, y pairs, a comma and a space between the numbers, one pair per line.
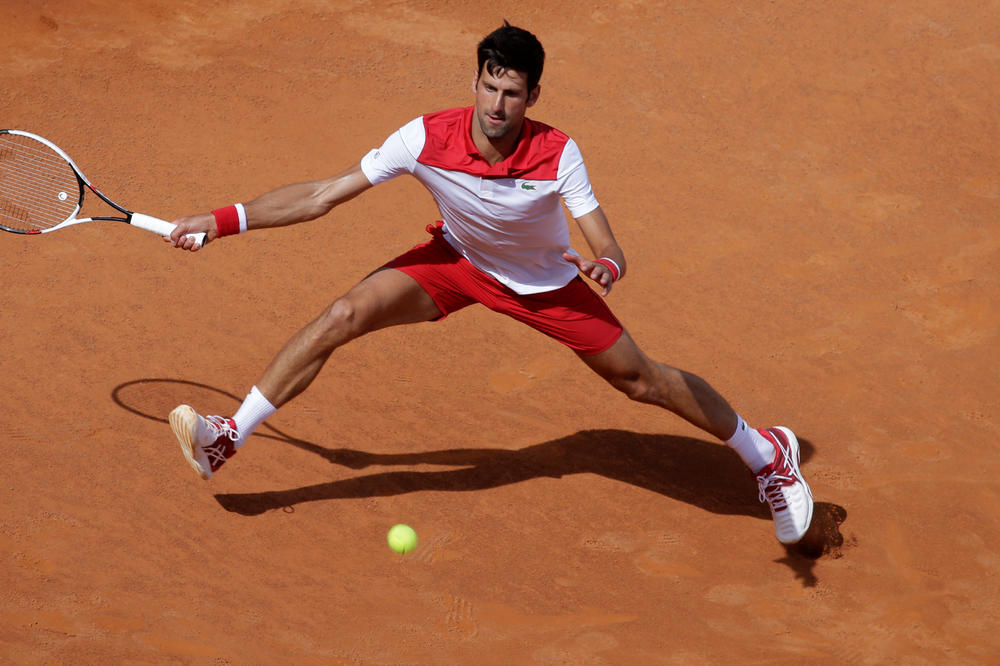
808, 197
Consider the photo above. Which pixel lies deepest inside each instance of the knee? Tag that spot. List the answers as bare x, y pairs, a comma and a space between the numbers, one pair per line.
637, 386
340, 314
338, 323
651, 383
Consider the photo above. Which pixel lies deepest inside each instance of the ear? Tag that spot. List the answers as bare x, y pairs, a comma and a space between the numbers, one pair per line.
475, 81
533, 95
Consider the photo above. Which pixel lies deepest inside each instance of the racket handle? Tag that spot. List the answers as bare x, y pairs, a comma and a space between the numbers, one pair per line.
160, 227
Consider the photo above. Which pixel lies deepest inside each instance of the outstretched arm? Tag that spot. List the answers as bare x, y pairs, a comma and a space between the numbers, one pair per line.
597, 232
286, 205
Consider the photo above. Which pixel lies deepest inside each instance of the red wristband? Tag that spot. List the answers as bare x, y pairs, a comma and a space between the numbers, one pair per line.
227, 221
611, 266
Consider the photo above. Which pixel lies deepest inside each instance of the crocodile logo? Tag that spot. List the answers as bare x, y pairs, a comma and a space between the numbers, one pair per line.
527, 186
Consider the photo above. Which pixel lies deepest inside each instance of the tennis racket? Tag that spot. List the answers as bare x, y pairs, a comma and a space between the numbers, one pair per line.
41, 190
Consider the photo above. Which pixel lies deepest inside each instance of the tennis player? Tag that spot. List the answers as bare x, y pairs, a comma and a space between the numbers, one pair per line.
500, 181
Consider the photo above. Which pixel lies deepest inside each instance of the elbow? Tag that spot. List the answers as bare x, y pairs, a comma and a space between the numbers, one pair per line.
343, 187
323, 199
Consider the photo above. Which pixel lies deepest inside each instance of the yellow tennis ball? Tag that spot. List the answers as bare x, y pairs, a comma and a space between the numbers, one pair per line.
402, 538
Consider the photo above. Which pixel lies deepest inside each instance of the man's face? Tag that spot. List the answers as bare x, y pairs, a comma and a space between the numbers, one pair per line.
501, 101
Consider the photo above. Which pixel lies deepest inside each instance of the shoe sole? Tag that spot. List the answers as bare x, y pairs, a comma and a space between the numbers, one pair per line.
793, 445
184, 422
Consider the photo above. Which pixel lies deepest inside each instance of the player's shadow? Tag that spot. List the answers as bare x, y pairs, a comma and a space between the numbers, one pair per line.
693, 471
700, 473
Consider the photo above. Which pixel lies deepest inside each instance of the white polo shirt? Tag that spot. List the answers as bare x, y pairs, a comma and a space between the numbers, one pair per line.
506, 219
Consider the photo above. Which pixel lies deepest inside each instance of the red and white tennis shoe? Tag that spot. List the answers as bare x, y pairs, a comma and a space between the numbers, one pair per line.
206, 442
783, 487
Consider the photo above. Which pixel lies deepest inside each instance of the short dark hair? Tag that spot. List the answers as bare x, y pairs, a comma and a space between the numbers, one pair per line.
510, 47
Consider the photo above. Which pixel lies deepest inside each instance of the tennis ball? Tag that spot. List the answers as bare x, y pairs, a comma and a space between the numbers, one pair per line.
402, 538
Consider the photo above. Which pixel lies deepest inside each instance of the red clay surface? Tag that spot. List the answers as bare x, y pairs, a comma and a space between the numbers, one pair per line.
808, 199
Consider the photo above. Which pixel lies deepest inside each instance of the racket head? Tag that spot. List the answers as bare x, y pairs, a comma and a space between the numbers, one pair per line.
40, 187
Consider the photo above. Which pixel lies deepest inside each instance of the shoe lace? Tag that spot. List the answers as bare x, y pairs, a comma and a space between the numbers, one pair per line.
219, 451
221, 427
782, 472
769, 488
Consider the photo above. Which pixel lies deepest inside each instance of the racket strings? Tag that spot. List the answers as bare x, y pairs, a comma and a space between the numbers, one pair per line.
38, 188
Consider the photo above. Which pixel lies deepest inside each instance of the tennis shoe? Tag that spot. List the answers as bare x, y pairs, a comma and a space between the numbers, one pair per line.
783, 487
206, 442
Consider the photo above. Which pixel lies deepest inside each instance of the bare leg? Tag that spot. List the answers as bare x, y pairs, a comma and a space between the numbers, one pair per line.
628, 369
385, 298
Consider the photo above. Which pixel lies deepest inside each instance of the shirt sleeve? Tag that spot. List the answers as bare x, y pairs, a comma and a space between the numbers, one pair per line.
398, 155
575, 187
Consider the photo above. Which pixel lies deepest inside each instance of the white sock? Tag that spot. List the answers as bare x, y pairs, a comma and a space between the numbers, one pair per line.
752, 447
254, 411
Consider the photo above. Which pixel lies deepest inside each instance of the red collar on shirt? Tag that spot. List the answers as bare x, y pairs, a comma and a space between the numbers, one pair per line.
448, 145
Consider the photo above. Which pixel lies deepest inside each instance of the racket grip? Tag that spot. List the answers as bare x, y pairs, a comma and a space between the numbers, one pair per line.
160, 227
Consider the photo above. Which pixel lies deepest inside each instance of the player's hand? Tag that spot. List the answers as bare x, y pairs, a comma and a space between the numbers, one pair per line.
192, 224
599, 273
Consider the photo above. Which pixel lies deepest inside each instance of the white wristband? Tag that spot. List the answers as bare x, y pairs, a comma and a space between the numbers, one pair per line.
617, 272
242, 213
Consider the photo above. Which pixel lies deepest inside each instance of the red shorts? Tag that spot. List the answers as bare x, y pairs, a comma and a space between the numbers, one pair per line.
574, 315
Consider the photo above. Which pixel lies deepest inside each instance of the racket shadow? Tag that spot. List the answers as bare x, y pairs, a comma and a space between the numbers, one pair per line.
153, 398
